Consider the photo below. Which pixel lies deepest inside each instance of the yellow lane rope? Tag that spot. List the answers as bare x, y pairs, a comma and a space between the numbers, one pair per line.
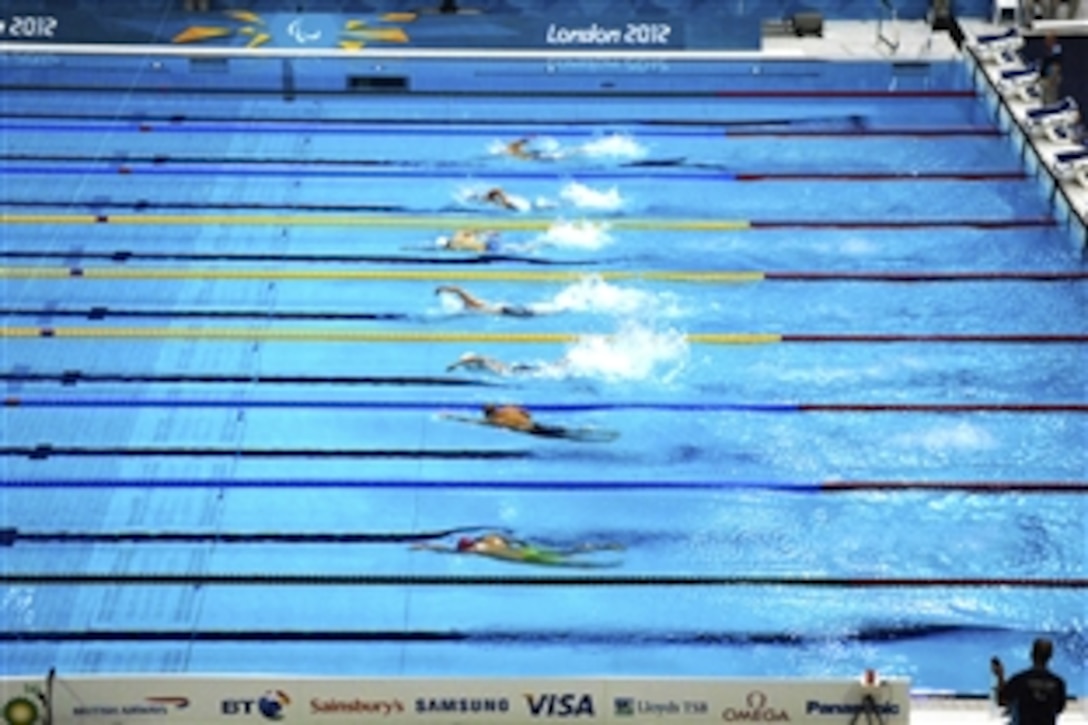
316, 335
359, 220
437, 275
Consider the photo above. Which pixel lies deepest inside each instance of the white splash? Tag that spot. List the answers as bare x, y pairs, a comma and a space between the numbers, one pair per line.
632, 353
614, 146
586, 197
576, 235
593, 294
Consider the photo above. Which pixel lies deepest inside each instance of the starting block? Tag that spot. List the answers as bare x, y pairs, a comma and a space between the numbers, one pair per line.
999, 47
1021, 82
1072, 165
1055, 122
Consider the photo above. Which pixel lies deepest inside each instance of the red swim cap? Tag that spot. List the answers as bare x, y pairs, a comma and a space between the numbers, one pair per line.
464, 543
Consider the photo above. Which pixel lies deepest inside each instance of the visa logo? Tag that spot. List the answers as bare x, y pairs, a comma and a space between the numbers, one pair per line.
565, 705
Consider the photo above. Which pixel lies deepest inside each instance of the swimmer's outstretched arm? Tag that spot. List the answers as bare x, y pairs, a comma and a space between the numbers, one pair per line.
470, 301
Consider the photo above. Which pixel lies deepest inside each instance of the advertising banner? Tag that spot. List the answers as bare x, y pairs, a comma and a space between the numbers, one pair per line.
558, 31
22, 701
449, 701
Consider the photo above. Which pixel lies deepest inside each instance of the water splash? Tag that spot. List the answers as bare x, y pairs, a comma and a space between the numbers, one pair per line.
614, 146
586, 197
633, 353
576, 235
593, 294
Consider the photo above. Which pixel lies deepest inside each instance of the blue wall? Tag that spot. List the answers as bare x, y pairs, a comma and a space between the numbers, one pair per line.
708, 17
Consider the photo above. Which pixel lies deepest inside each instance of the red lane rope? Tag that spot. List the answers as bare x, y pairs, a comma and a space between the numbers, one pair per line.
990, 338
899, 176
1015, 276
873, 132
904, 223
816, 93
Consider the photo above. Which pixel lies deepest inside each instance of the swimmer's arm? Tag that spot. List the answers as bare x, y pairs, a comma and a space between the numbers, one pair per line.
468, 300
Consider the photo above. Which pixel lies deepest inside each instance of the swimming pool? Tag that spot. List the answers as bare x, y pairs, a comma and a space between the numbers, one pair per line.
840, 338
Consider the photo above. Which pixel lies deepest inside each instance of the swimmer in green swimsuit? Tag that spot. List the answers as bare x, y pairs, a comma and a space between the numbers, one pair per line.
497, 546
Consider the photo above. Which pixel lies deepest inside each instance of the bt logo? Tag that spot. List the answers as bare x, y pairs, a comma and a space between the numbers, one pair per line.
270, 705
562, 705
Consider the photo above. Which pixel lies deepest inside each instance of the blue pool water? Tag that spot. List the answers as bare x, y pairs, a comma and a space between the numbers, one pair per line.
221, 330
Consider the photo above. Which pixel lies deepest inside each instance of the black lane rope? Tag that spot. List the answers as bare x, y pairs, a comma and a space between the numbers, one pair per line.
595, 636
446, 580
10, 536
77, 377
122, 256
45, 451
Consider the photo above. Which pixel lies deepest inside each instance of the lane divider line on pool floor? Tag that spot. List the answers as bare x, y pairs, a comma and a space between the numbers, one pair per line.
577, 580
306, 170
73, 377
848, 124
375, 336
489, 275
508, 224
784, 486
506, 637
309, 402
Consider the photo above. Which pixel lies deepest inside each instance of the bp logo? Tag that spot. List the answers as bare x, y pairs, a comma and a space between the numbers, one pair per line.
20, 711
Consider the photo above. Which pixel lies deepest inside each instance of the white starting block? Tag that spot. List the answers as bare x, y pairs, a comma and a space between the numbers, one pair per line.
1055, 122
1072, 165
1021, 82
999, 47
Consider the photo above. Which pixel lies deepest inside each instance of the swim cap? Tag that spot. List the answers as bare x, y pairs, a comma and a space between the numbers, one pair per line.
464, 543
442, 242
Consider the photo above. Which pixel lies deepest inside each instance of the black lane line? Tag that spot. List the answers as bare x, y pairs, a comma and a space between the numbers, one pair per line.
10, 536
599, 636
76, 377
144, 205
179, 118
446, 580
44, 451
122, 256
104, 313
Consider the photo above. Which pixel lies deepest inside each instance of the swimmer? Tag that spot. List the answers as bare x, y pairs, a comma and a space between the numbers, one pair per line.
499, 198
497, 546
518, 419
519, 149
470, 240
482, 363
475, 304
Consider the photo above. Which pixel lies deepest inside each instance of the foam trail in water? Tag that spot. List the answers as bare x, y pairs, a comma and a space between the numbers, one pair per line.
586, 197
576, 235
633, 353
593, 294
615, 146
